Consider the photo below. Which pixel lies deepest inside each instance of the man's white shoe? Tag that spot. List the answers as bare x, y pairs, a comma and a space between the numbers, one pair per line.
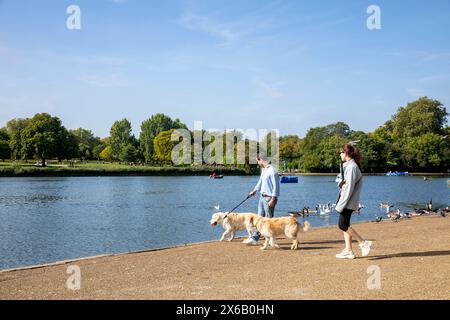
345, 255
365, 247
250, 241
246, 240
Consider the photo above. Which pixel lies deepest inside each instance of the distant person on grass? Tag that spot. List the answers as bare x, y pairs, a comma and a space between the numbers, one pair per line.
269, 188
350, 184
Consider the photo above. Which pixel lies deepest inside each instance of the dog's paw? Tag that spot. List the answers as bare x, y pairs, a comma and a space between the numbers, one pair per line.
262, 248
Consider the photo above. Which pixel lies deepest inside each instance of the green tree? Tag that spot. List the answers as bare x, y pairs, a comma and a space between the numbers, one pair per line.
429, 151
121, 138
44, 137
151, 127
5, 150
16, 125
419, 117
163, 146
321, 145
106, 154
87, 142
128, 153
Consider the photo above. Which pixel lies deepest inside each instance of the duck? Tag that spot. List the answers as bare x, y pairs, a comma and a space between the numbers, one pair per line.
378, 219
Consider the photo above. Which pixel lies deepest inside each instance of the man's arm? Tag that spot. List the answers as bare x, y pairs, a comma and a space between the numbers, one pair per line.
257, 187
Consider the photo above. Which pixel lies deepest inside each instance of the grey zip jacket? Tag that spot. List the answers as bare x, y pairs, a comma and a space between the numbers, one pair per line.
351, 190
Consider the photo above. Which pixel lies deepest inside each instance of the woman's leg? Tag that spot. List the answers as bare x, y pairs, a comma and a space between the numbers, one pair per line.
344, 225
348, 241
354, 234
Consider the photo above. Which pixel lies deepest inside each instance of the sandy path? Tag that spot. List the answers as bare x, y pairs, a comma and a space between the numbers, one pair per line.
413, 257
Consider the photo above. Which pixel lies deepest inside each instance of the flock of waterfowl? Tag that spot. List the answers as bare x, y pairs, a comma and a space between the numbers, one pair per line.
396, 215
392, 215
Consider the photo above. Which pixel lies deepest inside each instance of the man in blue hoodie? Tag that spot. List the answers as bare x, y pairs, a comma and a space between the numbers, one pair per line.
269, 188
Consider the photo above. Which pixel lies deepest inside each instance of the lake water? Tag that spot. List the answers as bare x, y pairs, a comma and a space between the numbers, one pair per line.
50, 219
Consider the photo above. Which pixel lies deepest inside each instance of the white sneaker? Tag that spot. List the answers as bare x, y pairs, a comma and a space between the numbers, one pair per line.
365, 247
345, 255
246, 240
251, 241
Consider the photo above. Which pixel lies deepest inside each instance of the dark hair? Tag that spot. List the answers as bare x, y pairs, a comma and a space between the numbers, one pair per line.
353, 153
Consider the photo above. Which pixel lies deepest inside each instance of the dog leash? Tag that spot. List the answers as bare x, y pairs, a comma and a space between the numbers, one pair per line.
249, 196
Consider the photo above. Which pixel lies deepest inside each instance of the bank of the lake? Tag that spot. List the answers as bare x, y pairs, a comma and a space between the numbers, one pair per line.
86, 170
10, 169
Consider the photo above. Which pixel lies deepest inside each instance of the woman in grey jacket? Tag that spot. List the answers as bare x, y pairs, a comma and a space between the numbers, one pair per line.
350, 183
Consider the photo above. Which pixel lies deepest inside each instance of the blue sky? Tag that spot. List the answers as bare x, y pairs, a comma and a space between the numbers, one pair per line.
287, 65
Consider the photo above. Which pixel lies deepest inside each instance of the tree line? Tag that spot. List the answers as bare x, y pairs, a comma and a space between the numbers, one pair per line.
415, 138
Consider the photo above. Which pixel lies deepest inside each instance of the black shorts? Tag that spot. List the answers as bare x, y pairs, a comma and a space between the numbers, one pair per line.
344, 219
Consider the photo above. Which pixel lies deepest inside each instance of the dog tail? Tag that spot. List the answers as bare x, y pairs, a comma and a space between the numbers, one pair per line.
306, 226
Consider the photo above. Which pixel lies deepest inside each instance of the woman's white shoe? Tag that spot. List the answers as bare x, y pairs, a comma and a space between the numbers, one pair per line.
365, 247
345, 255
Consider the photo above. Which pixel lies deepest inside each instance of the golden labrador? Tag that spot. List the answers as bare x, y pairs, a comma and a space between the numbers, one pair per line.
273, 227
233, 222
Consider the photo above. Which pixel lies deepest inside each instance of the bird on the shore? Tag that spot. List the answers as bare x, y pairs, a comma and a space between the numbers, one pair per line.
444, 211
393, 215
405, 215
385, 205
378, 219
429, 205
360, 206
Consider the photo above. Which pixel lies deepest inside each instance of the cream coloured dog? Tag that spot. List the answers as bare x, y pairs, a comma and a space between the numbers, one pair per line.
233, 222
273, 227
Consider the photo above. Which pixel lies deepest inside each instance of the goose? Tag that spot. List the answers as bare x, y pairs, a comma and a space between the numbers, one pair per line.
303, 213
360, 206
405, 215
429, 205
393, 214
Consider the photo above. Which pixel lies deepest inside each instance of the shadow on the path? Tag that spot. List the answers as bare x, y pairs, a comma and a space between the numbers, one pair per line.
412, 255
